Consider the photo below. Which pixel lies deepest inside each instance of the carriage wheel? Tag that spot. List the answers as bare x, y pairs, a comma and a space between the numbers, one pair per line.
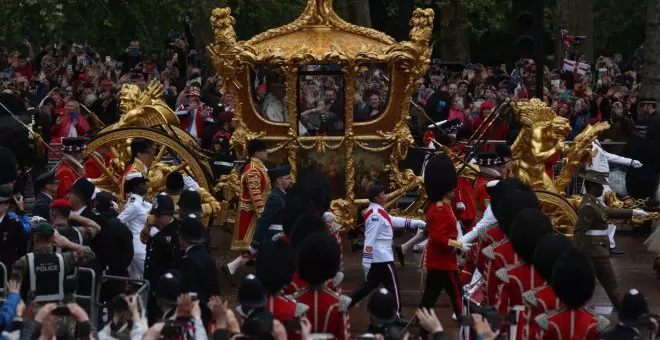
560, 210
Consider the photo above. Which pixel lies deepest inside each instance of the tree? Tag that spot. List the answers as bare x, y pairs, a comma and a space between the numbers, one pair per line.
651, 63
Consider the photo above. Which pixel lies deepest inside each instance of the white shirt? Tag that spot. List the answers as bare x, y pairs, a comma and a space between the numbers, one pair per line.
135, 217
601, 160
193, 124
378, 234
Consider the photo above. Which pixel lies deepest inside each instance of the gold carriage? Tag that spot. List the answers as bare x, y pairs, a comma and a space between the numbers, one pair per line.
325, 94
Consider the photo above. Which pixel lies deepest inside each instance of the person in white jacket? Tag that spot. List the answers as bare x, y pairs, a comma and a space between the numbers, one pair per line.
601, 163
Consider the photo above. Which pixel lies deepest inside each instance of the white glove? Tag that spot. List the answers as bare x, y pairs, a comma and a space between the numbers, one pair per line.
639, 213
460, 206
328, 217
35, 220
416, 224
636, 164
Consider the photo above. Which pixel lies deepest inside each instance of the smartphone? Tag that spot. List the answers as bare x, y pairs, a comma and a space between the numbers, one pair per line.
366, 336
292, 325
602, 72
61, 310
193, 296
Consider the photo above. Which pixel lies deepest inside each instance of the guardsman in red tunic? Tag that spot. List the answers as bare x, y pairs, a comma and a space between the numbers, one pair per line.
501, 254
542, 299
255, 188
71, 167
528, 228
318, 262
306, 225
275, 266
102, 155
464, 202
574, 281
440, 253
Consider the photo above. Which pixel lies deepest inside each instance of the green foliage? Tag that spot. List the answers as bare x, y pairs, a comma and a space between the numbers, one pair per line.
619, 26
256, 16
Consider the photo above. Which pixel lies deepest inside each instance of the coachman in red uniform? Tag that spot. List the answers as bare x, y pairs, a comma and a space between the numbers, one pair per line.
542, 299
440, 253
275, 266
574, 281
528, 228
318, 262
71, 167
501, 254
103, 156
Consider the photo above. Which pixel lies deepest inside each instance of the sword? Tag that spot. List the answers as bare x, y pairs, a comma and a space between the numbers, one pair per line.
34, 133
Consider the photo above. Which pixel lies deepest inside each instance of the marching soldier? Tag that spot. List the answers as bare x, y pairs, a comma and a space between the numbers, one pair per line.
197, 266
163, 246
47, 183
43, 271
71, 167
275, 266
318, 262
255, 186
573, 281
443, 229
591, 234
13, 242
270, 221
60, 215
135, 217
378, 258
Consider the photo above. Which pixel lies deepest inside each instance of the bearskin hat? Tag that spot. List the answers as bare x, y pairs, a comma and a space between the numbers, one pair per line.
318, 258
275, 265
9, 168
548, 249
310, 195
573, 278
511, 204
439, 177
526, 231
306, 225
255, 145
503, 187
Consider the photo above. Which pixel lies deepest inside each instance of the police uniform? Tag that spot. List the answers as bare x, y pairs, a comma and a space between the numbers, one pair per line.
270, 221
197, 266
633, 307
43, 271
42, 201
134, 216
13, 242
591, 235
163, 247
378, 257
573, 281
318, 262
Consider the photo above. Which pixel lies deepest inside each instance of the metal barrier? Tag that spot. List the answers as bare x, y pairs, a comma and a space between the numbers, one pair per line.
3, 294
87, 300
141, 293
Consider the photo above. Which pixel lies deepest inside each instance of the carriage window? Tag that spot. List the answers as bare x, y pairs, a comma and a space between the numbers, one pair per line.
321, 100
269, 93
372, 89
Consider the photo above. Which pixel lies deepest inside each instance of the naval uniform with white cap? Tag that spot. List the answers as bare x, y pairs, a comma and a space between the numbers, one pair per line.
378, 257
135, 216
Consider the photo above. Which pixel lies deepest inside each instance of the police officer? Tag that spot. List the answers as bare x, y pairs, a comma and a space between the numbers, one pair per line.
135, 217
47, 183
60, 215
163, 246
270, 221
43, 271
591, 231
196, 264
167, 291
13, 242
378, 258
634, 309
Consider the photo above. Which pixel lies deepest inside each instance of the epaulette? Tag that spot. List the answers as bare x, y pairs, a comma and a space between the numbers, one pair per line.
301, 309
601, 323
503, 275
338, 279
530, 297
344, 302
489, 252
542, 321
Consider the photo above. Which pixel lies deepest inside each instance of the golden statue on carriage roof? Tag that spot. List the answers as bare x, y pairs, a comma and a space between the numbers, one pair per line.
328, 95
